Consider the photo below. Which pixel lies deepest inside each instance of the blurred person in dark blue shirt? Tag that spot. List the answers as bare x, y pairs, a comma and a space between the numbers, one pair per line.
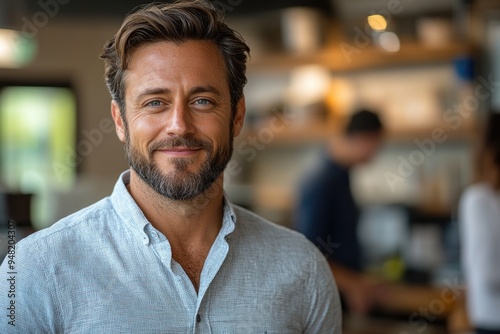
327, 212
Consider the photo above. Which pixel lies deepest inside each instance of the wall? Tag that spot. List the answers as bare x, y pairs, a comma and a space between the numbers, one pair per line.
69, 51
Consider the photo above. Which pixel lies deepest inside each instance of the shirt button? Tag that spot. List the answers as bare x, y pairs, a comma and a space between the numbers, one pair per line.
198, 318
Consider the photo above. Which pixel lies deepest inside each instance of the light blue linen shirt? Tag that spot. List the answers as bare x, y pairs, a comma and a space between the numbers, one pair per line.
106, 269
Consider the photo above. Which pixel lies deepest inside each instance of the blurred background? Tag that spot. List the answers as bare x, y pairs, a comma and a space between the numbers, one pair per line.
431, 68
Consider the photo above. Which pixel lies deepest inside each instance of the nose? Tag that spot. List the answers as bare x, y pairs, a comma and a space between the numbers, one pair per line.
180, 121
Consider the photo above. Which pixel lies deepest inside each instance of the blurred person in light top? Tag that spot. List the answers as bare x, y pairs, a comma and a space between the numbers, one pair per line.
167, 252
479, 217
327, 213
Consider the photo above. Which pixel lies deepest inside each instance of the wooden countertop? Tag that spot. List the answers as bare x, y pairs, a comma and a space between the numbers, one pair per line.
420, 309
366, 325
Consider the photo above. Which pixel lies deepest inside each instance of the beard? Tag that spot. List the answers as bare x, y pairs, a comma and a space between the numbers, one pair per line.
180, 184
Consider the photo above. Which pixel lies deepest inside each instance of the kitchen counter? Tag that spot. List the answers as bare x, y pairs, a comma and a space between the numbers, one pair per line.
354, 324
409, 309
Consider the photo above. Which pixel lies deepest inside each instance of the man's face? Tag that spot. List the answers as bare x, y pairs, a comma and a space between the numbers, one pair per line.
179, 127
365, 146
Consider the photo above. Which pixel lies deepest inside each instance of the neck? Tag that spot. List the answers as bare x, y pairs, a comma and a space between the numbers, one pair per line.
194, 221
488, 171
493, 177
338, 149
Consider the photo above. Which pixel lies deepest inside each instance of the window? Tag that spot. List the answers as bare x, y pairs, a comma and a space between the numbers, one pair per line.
37, 138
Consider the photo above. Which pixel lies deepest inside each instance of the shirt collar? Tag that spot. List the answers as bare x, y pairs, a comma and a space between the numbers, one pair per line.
127, 209
229, 218
130, 213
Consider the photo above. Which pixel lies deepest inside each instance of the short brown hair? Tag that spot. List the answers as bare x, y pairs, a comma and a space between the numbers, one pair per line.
177, 22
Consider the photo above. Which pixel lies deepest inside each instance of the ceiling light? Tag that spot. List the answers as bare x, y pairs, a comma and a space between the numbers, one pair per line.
377, 22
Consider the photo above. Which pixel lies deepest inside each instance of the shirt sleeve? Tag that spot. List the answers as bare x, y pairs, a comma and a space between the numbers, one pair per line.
324, 314
28, 297
480, 232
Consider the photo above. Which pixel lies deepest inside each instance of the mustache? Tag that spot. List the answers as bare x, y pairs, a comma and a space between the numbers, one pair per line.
188, 142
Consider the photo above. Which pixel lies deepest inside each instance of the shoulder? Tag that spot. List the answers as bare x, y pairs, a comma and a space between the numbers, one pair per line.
84, 223
255, 224
477, 191
479, 205
286, 262
42, 254
278, 248
255, 231
478, 195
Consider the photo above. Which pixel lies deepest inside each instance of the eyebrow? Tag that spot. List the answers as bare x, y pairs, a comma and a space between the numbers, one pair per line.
205, 89
152, 91
194, 90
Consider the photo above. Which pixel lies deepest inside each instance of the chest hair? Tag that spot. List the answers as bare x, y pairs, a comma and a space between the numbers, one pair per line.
192, 262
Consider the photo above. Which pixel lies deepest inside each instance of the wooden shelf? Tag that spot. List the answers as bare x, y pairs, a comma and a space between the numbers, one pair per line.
319, 132
295, 135
466, 132
370, 57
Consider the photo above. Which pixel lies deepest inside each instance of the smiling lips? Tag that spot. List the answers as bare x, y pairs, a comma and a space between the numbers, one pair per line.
179, 152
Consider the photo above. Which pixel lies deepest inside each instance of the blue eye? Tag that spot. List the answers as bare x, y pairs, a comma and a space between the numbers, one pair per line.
154, 103
203, 102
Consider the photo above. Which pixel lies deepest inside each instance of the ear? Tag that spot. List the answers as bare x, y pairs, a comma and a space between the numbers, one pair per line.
240, 116
117, 118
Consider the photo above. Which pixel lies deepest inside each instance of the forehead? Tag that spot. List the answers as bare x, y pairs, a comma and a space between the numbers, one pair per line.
189, 63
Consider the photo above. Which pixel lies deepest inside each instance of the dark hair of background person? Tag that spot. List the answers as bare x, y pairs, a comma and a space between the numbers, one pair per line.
364, 121
177, 22
490, 152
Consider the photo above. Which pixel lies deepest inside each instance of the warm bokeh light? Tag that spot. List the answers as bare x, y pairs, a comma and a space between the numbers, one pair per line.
389, 41
7, 45
15, 49
377, 22
308, 84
